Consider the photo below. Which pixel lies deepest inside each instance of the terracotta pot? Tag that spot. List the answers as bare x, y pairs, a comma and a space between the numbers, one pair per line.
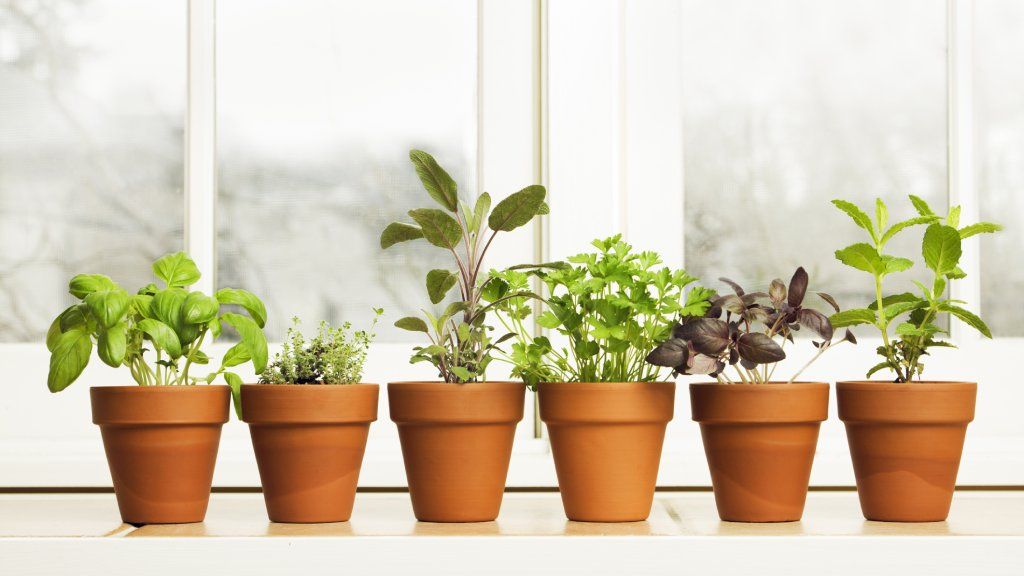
760, 441
606, 440
906, 440
457, 443
309, 441
161, 444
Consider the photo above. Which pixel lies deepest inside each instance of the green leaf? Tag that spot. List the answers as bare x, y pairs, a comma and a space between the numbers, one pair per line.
517, 209
437, 182
252, 337
176, 269
968, 317
852, 317
862, 257
53, 334
881, 214
900, 226
235, 383
894, 310
162, 335
894, 298
69, 319
142, 304
108, 306
69, 358
953, 218
462, 373
236, 355
858, 215
84, 284
247, 300
439, 282
399, 232
956, 274
877, 367
166, 306
892, 264
941, 248
113, 344
199, 308
979, 228
921, 206
483, 208
439, 228
412, 324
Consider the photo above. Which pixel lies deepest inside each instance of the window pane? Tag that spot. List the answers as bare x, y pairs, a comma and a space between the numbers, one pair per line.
319, 104
999, 83
91, 109
790, 104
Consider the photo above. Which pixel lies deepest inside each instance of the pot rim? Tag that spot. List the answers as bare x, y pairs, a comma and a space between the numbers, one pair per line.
442, 383
606, 385
762, 386
452, 403
301, 404
918, 384
606, 403
202, 404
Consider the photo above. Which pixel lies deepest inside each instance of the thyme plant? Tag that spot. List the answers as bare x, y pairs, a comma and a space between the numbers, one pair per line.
610, 307
331, 356
460, 346
748, 332
916, 316
157, 333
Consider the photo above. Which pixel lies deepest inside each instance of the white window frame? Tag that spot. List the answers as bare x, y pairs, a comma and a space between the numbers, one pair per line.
615, 166
563, 102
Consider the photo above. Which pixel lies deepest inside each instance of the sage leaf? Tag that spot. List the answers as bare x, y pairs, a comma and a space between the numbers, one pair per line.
69, 358
482, 210
439, 282
518, 209
436, 181
439, 228
399, 232
412, 324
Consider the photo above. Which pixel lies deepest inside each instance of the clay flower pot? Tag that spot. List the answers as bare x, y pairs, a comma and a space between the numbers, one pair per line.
161, 444
457, 443
309, 441
606, 440
760, 441
906, 440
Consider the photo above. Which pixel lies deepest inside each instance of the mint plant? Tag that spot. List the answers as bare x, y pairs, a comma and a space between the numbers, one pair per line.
916, 316
611, 306
460, 346
331, 356
748, 332
170, 323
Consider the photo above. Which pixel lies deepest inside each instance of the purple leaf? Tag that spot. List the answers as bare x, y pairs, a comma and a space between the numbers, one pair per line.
816, 321
701, 364
759, 348
777, 291
708, 335
671, 353
797, 287
735, 287
828, 298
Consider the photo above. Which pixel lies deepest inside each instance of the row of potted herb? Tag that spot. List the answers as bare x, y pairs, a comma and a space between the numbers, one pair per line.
621, 325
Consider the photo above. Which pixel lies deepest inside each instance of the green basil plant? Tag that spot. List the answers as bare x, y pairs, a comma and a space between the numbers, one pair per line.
915, 315
158, 332
461, 346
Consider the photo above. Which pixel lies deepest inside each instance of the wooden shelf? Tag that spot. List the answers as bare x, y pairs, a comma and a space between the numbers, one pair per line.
49, 534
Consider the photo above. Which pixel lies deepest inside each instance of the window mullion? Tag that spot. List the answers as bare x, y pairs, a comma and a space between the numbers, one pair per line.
201, 140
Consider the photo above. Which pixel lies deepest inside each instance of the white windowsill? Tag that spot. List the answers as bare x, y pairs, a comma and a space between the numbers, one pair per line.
45, 534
